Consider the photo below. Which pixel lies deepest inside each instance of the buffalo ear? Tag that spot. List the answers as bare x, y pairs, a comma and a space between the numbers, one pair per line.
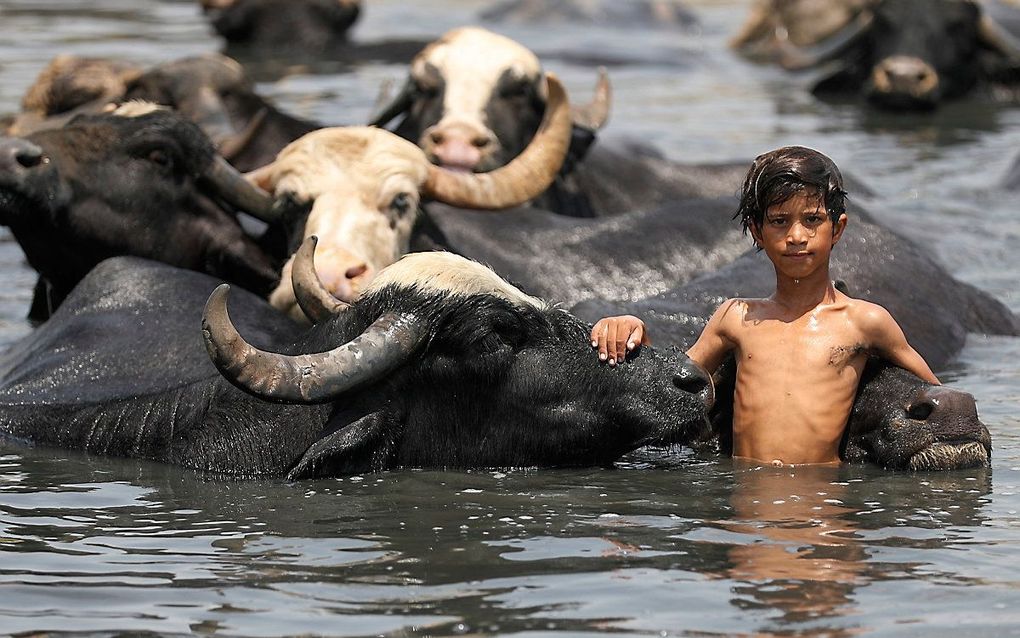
355, 448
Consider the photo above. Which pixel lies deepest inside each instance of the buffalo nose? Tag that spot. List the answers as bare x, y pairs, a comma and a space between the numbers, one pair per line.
905, 77
18, 156
951, 414
692, 378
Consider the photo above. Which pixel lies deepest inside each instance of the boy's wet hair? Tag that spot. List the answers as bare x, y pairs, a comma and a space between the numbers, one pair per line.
778, 175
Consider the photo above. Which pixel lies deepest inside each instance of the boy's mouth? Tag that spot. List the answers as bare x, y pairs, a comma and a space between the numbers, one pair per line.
802, 255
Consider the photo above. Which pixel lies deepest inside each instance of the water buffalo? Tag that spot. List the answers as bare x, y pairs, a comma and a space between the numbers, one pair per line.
311, 25
472, 100
776, 30
935, 310
915, 54
440, 364
211, 90
68, 86
137, 181
364, 186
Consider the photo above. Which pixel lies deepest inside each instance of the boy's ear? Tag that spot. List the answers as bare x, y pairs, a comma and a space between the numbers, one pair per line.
755, 234
838, 228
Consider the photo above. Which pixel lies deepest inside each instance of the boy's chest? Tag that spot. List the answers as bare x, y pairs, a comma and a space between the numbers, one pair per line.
811, 344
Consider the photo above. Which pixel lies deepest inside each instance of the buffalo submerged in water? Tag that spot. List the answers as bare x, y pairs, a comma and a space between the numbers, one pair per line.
439, 364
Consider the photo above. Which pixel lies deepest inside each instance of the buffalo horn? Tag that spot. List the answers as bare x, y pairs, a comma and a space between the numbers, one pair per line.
206, 109
399, 104
239, 192
998, 39
307, 378
794, 57
233, 145
593, 116
316, 302
526, 177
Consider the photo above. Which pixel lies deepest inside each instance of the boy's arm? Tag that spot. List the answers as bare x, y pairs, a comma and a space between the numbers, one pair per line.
890, 343
616, 336
716, 340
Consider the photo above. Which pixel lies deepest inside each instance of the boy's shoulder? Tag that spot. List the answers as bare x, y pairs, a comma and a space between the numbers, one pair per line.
866, 315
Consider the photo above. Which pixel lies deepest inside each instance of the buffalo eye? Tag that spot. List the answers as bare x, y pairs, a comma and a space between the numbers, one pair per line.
515, 89
401, 204
160, 158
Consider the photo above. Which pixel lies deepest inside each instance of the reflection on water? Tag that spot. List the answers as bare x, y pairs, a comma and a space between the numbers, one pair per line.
671, 543
803, 557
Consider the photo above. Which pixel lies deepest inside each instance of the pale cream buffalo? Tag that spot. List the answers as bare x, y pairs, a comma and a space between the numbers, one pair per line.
365, 186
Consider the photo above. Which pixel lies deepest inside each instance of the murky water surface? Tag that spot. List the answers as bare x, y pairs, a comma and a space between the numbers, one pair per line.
666, 543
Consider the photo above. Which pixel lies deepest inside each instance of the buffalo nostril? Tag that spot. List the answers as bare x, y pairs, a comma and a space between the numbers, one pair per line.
356, 271
437, 138
29, 157
481, 142
694, 379
920, 410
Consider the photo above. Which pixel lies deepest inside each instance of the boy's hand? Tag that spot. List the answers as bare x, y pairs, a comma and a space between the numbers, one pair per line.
616, 336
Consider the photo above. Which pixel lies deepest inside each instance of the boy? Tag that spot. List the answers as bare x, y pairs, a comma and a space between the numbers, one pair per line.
800, 352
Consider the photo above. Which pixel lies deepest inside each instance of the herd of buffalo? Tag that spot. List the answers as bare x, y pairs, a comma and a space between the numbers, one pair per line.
360, 331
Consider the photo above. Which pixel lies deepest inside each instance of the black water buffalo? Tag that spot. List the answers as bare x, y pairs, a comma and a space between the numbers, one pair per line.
271, 36
131, 182
440, 365
935, 310
136, 181
308, 25
915, 54
211, 90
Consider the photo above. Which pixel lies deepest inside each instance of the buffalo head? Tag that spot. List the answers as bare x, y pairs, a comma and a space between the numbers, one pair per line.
307, 25
474, 100
364, 187
900, 422
211, 90
914, 54
443, 364
136, 181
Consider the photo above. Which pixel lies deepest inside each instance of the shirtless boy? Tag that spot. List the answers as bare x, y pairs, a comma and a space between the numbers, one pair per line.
801, 351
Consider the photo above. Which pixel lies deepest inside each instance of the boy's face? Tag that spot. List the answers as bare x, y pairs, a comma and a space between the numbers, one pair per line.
798, 235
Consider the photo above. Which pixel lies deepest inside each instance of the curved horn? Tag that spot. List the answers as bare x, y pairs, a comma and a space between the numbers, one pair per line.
316, 302
306, 378
795, 58
206, 109
396, 106
239, 192
233, 145
594, 115
526, 177
996, 38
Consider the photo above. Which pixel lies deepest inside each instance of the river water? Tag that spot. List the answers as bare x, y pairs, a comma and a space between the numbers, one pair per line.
666, 543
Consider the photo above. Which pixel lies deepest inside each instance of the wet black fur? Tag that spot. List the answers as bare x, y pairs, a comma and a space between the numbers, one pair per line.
126, 186
942, 33
121, 370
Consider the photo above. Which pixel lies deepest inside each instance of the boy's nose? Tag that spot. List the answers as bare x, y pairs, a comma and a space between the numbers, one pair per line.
797, 235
